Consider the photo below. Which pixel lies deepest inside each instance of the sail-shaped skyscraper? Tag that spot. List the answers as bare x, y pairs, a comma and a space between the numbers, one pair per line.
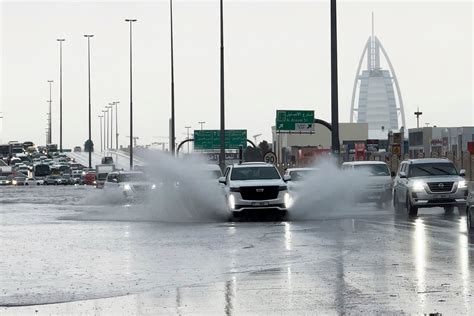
374, 100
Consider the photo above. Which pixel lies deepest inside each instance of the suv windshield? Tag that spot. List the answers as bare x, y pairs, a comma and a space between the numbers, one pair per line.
255, 173
374, 170
131, 177
298, 175
432, 169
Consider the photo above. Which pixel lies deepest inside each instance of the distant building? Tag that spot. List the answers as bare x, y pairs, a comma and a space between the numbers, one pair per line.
439, 140
373, 97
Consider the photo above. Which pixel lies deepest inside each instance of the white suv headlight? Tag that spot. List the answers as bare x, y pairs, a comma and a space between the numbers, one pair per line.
288, 200
418, 186
462, 184
127, 187
231, 202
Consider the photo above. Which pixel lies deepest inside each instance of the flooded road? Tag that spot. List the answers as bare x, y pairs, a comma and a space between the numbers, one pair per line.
62, 251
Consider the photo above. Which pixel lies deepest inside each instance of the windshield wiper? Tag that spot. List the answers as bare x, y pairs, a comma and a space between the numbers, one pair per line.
425, 170
442, 170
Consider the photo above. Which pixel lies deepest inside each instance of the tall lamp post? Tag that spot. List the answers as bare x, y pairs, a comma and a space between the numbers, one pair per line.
109, 118
104, 137
201, 123
50, 136
222, 138
130, 22
334, 82
101, 143
116, 125
89, 80
172, 121
61, 40
188, 128
111, 105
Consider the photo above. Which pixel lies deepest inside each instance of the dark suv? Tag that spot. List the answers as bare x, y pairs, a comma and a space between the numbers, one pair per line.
429, 183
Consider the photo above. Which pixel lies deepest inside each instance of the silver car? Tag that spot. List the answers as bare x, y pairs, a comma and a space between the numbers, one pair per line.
429, 182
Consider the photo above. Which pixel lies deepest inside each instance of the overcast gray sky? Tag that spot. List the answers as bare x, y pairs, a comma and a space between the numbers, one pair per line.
277, 57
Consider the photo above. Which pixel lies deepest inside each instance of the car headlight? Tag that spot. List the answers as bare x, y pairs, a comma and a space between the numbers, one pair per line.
288, 200
127, 187
462, 184
231, 202
153, 186
418, 186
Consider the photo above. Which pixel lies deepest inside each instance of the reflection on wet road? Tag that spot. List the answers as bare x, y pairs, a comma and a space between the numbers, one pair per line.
60, 252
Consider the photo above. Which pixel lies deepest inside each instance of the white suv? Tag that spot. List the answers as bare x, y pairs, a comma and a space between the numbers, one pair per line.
131, 184
254, 187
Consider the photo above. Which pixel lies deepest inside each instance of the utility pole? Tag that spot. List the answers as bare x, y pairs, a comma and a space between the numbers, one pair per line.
201, 123
116, 125
50, 132
101, 143
222, 138
130, 21
172, 120
89, 77
188, 127
60, 40
334, 83
418, 114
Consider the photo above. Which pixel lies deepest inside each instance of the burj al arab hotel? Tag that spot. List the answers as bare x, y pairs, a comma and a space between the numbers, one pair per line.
374, 100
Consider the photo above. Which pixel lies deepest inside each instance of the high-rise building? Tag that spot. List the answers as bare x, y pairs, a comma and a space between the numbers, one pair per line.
374, 90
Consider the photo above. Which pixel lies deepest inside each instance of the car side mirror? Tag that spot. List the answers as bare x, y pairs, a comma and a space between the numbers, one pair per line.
393, 174
286, 178
462, 173
403, 175
222, 180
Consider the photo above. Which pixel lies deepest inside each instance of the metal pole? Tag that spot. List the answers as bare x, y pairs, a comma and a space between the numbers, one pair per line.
173, 131
107, 130
334, 82
61, 93
89, 78
188, 127
222, 138
111, 125
131, 96
104, 137
116, 125
201, 123
101, 144
50, 134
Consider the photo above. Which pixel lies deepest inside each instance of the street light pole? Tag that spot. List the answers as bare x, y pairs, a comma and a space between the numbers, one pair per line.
112, 124
61, 40
188, 127
334, 82
130, 21
104, 137
101, 144
89, 79
222, 138
116, 125
50, 137
201, 123
107, 129
173, 132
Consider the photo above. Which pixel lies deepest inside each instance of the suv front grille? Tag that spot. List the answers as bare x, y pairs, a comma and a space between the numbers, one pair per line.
441, 186
141, 187
259, 193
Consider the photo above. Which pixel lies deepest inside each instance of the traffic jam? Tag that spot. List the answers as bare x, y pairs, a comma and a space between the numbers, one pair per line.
251, 188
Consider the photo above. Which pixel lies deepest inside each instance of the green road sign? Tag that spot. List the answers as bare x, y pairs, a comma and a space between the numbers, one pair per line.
300, 121
211, 139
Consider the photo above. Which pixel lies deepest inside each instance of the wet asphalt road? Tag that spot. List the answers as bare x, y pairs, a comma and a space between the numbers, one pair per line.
63, 254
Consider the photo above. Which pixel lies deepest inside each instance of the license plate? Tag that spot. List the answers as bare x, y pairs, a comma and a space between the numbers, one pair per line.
441, 196
259, 203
